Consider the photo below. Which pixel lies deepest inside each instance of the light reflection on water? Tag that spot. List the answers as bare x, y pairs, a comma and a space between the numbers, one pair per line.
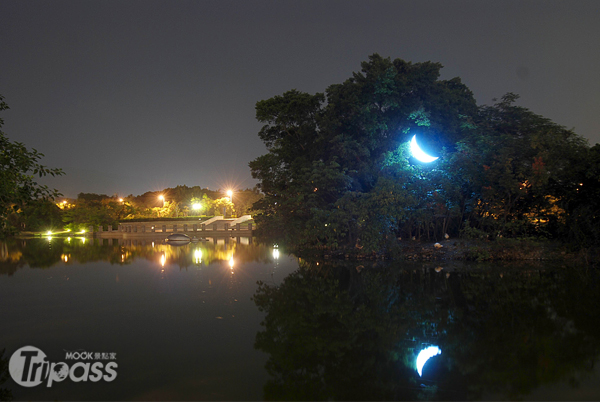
181, 324
184, 322
508, 331
118, 251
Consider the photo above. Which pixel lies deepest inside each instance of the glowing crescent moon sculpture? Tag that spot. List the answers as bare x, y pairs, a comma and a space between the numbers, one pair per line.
418, 152
424, 355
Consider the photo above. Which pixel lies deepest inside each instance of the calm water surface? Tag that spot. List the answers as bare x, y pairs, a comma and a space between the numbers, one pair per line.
192, 323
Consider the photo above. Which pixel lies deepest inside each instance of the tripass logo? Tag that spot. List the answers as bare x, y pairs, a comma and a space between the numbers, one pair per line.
29, 367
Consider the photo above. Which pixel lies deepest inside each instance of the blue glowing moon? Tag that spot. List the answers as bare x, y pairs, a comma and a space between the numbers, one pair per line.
425, 355
419, 153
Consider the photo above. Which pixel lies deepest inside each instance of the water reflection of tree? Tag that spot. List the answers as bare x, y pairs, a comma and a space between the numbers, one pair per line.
5, 393
41, 253
507, 336
45, 253
11, 259
332, 333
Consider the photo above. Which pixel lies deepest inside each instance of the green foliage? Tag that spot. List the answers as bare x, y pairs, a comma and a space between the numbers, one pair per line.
96, 213
18, 168
171, 209
340, 159
92, 197
244, 200
338, 170
178, 202
39, 215
477, 253
469, 232
581, 200
102, 210
517, 164
206, 204
222, 204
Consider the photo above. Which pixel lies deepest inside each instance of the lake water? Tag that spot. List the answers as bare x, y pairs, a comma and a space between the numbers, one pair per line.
191, 323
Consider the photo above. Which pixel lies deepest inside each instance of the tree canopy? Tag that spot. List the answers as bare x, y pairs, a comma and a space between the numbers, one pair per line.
339, 172
18, 168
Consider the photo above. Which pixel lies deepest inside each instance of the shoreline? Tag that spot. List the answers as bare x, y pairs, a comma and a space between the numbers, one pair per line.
474, 250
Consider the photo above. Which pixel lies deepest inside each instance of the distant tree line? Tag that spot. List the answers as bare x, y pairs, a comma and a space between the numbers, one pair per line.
102, 210
26, 205
90, 209
339, 172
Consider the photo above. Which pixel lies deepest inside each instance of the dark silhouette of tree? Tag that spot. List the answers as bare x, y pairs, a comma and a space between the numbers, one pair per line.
5, 393
18, 168
338, 171
333, 333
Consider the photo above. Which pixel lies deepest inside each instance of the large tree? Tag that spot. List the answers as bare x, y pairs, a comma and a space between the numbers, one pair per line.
515, 171
339, 172
337, 168
18, 168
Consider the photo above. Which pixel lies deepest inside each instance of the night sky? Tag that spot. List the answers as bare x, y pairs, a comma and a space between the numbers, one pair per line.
136, 96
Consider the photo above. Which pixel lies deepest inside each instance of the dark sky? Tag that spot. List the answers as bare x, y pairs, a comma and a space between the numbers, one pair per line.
132, 96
